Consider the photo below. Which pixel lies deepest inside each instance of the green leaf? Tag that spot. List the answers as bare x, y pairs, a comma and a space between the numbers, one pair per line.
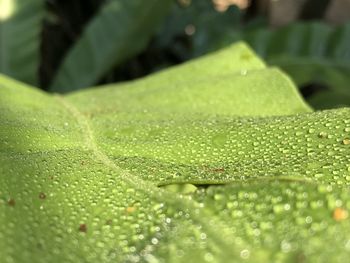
206, 28
233, 81
20, 26
285, 220
310, 53
81, 173
120, 30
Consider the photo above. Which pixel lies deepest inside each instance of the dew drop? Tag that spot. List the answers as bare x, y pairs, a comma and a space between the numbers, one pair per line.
245, 254
322, 135
285, 246
308, 219
346, 141
244, 72
208, 257
154, 241
311, 130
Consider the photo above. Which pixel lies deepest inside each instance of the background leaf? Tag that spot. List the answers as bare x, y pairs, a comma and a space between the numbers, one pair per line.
314, 54
121, 29
20, 26
205, 27
309, 53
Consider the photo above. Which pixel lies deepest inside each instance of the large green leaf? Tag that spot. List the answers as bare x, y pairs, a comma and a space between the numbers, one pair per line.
20, 25
80, 173
121, 29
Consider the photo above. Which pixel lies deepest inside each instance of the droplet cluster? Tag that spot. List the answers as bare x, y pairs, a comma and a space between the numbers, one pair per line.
222, 149
79, 174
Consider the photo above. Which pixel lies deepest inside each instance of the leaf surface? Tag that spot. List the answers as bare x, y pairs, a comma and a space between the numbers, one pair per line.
81, 174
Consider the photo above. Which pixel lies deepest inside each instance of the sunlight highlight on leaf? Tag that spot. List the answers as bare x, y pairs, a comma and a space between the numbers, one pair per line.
7, 8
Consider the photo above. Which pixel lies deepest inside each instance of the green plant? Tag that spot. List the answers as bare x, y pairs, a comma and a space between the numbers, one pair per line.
215, 160
310, 53
19, 38
119, 30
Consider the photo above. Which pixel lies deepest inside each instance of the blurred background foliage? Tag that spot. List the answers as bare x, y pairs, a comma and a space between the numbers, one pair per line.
65, 45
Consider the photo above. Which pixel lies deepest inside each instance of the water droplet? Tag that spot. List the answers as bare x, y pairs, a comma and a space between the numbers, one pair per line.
286, 246
208, 257
308, 219
245, 253
346, 141
322, 135
154, 241
244, 72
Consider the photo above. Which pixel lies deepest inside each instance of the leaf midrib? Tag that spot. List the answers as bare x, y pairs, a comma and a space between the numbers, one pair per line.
144, 186
135, 181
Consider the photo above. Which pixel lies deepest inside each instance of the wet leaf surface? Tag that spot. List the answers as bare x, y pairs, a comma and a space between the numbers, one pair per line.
215, 160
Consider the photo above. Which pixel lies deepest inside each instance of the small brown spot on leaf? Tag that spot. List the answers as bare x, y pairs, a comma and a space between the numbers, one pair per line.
218, 170
340, 214
42, 195
130, 209
11, 202
83, 228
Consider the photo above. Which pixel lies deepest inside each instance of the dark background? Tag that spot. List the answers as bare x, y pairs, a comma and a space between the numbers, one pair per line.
67, 20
